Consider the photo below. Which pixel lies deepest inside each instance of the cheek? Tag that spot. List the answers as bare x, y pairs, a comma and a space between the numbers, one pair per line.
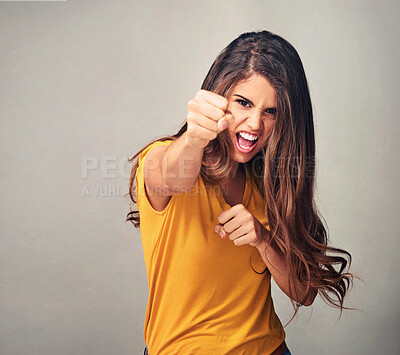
237, 114
231, 131
269, 126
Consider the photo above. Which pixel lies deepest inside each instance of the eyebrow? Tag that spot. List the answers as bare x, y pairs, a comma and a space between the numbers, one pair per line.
250, 102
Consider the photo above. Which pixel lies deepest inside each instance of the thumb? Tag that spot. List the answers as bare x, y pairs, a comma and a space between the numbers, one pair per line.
218, 229
225, 121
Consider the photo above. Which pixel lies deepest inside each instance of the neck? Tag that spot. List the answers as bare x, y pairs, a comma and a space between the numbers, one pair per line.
237, 169
236, 172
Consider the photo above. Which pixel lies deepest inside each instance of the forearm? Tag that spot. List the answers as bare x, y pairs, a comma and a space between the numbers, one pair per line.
180, 165
277, 266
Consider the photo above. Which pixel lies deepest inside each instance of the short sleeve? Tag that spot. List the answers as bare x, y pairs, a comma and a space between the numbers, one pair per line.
141, 196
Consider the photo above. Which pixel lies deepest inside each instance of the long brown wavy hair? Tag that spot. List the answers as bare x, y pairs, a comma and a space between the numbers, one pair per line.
284, 170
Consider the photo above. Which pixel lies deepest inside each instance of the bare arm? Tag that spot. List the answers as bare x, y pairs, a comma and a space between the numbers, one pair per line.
277, 266
172, 169
243, 228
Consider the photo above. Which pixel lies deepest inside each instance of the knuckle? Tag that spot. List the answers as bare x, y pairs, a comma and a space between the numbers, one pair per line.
201, 93
193, 129
190, 116
191, 104
224, 103
219, 113
214, 135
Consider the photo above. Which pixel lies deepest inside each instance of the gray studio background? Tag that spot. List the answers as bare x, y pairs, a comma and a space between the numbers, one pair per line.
85, 84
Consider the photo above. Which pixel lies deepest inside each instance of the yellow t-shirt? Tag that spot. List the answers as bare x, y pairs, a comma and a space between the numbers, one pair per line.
204, 297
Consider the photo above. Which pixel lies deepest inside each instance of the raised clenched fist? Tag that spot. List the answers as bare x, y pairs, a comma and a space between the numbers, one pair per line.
207, 116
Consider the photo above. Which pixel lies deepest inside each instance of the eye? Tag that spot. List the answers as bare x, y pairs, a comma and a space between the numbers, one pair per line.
243, 102
271, 111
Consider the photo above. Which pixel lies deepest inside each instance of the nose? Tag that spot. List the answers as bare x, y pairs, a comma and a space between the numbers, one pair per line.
254, 121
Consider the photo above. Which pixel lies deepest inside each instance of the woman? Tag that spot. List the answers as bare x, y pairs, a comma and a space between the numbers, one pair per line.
242, 168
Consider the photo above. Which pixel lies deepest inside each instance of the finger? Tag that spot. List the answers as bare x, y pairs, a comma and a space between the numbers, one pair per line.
230, 213
234, 223
206, 123
203, 133
214, 99
241, 241
212, 112
240, 232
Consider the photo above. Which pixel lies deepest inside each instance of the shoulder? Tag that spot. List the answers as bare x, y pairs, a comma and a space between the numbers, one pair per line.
142, 173
146, 150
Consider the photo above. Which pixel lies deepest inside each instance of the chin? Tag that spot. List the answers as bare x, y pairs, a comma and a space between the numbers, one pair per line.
242, 159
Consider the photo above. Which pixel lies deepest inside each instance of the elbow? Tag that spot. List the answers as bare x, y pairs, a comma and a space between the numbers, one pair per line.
311, 297
179, 188
308, 303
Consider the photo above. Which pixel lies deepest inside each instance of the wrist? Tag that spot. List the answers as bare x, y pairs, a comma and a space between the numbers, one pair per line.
194, 143
263, 239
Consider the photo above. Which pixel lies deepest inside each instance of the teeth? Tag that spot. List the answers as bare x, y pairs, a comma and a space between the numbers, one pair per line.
248, 136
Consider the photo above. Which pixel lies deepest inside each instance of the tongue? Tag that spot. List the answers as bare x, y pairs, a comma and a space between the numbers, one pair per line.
244, 142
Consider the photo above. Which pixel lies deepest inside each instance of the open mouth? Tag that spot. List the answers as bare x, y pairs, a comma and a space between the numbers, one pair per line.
245, 143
